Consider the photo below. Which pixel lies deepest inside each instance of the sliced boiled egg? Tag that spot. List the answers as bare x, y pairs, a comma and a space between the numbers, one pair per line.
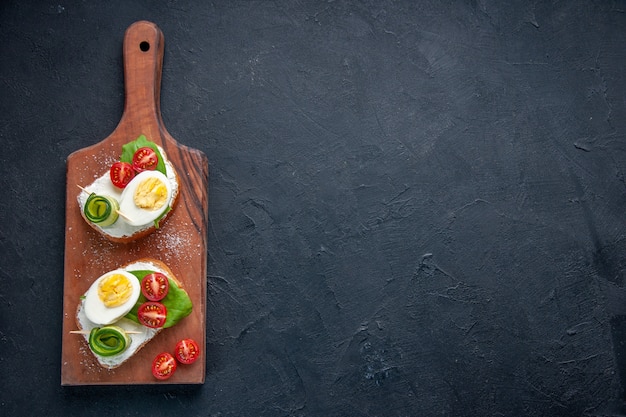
145, 198
111, 297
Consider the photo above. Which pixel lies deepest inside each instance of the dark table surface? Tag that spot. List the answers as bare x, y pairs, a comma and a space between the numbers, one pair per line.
415, 208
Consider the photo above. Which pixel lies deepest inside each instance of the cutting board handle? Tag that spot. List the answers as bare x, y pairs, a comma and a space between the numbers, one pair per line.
143, 63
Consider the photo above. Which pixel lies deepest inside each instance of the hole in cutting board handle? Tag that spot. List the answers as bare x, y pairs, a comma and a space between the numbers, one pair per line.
144, 46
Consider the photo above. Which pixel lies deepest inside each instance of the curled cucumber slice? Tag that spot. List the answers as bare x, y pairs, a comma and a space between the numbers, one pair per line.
108, 340
101, 209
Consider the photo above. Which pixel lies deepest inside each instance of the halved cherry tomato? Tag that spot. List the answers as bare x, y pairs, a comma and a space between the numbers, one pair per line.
145, 159
186, 351
152, 314
154, 286
121, 173
163, 366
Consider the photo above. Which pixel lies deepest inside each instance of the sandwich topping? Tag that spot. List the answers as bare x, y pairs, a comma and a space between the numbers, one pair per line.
111, 297
101, 210
118, 313
108, 340
115, 290
136, 193
150, 194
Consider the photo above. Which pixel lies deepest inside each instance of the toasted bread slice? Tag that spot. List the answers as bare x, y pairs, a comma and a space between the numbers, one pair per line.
121, 231
141, 334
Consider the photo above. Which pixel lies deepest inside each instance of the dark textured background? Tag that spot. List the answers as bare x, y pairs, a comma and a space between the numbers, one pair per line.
416, 208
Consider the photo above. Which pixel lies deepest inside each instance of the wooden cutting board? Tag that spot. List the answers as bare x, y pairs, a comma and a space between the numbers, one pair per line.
181, 242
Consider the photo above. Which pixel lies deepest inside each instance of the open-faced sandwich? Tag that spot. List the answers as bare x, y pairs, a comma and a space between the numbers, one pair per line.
135, 196
126, 308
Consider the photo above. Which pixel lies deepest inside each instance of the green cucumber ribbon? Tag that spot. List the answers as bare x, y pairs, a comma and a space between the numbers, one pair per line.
101, 209
108, 340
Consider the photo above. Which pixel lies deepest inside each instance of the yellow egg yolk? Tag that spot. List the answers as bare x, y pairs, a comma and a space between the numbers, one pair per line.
114, 290
151, 194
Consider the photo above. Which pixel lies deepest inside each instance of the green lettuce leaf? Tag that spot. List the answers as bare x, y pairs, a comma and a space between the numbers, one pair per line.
177, 302
158, 219
130, 148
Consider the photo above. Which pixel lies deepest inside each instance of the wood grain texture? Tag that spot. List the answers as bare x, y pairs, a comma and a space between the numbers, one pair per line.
181, 242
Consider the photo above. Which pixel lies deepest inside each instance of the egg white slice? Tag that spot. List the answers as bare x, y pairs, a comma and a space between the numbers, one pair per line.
137, 216
97, 312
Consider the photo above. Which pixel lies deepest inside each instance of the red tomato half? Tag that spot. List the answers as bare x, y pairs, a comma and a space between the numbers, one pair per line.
121, 173
155, 286
186, 351
145, 159
163, 366
152, 314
